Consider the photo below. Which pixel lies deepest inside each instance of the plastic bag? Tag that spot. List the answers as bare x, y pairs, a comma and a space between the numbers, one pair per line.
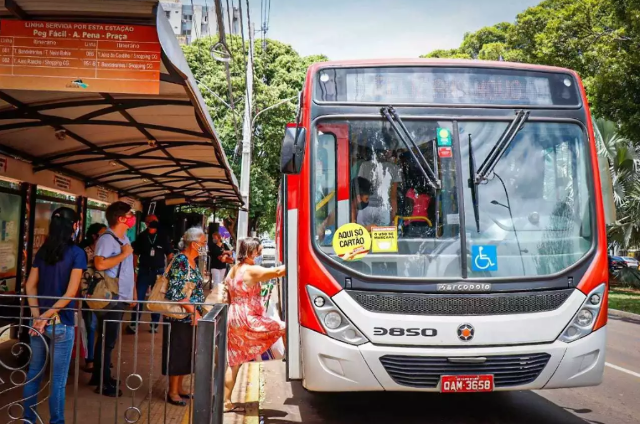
277, 350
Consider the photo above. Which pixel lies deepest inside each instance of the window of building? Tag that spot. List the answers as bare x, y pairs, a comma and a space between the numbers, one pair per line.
168, 14
10, 212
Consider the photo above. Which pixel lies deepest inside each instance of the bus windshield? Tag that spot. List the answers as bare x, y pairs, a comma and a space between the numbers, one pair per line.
534, 213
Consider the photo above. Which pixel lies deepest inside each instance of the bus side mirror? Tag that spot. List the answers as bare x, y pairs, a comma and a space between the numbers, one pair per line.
293, 147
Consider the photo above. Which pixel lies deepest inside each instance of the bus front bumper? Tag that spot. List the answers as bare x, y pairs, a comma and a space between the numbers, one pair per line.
333, 366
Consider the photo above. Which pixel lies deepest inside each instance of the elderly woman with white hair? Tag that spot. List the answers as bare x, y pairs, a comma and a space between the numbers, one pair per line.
185, 286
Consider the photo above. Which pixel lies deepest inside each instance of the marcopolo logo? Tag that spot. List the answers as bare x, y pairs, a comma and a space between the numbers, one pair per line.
464, 287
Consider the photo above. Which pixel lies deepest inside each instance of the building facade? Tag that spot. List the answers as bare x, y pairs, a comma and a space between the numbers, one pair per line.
190, 21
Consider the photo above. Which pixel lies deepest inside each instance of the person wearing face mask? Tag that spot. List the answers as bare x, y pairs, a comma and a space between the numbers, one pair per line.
250, 331
149, 252
258, 259
385, 177
177, 337
360, 192
360, 208
220, 257
113, 256
56, 274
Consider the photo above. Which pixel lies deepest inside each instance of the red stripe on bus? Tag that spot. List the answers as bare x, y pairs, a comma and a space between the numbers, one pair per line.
598, 271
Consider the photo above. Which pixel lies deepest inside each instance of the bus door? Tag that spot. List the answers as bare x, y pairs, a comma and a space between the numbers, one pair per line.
331, 191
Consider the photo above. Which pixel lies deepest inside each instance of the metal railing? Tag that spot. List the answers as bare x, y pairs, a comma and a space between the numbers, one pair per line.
137, 362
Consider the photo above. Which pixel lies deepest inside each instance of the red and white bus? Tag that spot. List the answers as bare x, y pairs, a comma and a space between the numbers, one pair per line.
443, 227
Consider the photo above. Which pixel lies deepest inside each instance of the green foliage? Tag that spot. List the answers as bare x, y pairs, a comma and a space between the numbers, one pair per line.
474, 43
623, 157
447, 54
279, 73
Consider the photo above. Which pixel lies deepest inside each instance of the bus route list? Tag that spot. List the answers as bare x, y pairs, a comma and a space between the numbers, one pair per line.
70, 56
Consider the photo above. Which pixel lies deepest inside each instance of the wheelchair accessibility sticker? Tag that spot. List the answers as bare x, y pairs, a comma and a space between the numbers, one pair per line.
484, 258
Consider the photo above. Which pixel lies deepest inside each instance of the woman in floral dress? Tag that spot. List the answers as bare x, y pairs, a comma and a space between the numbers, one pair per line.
183, 274
250, 331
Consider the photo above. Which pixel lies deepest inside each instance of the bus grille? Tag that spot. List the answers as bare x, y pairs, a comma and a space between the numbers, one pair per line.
461, 304
425, 372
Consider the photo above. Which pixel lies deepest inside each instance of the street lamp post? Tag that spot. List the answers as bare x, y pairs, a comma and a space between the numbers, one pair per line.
253, 121
247, 130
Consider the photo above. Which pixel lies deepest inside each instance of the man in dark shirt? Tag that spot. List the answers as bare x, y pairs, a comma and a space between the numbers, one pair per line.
220, 255
150, 250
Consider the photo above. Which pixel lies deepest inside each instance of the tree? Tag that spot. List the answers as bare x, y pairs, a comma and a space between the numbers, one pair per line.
616, 86
447, 54
623, 158
474, 42
279, 74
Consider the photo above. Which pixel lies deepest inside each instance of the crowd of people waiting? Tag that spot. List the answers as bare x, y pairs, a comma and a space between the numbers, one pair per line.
59, 276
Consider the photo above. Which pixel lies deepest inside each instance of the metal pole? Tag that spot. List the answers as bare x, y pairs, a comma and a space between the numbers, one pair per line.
245, 173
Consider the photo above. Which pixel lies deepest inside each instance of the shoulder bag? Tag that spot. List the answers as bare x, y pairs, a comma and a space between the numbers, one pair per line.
102, 286
158, 296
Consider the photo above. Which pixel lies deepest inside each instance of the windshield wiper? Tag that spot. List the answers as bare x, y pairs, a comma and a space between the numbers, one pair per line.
390, 114
472, 184
497, 151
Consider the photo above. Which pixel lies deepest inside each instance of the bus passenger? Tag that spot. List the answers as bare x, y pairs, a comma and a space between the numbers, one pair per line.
361, 188
250, 331
385, 176
56, 274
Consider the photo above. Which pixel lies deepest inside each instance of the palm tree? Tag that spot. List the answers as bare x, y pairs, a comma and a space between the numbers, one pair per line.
623, 162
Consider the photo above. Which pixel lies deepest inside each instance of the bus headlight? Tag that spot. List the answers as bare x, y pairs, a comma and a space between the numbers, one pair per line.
334, 322
582, 322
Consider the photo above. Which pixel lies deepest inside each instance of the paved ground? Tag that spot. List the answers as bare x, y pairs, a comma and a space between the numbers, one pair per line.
616, 401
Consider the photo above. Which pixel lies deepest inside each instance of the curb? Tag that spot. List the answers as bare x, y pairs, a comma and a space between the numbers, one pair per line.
252, 394
623, 314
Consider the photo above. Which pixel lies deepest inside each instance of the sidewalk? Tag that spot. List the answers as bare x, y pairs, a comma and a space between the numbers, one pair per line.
143, 401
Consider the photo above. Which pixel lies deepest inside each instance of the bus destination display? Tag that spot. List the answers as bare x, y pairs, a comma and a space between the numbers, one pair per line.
71, 56
446, 86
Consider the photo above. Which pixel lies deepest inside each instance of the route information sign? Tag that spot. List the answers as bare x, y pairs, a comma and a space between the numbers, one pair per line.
71, 56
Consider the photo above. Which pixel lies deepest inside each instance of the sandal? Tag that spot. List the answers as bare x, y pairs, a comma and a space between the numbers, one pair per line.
176, 402
186, 396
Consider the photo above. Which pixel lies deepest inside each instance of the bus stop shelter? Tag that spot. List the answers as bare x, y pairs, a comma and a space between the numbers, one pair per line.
82, 128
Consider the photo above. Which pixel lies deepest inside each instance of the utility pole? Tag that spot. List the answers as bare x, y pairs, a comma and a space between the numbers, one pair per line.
247, 128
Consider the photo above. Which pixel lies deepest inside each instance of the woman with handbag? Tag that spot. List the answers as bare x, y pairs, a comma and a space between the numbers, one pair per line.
185, 286
250, 331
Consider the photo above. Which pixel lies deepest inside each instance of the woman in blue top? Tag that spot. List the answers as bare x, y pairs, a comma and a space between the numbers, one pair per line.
56, 273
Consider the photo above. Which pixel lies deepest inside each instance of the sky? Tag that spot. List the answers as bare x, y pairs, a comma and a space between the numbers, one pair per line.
369, 29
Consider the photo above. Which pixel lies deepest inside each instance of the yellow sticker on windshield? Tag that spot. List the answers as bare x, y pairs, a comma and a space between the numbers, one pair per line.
351, 242
384, 239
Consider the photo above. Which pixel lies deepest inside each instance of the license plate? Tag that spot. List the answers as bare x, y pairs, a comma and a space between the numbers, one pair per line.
466, 383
